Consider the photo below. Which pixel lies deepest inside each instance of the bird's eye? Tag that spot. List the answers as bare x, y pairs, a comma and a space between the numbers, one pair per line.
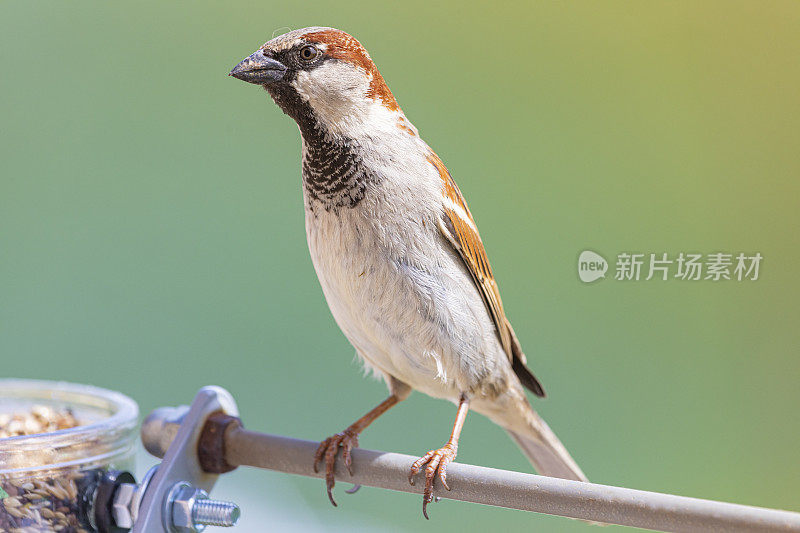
309, 53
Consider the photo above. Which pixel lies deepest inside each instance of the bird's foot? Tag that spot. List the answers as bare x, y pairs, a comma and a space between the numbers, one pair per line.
327, 451
437, 461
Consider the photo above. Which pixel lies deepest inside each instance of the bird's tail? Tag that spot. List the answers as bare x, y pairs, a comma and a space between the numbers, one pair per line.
543, 449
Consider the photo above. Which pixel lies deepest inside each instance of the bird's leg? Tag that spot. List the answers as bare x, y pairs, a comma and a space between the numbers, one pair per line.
437, 460
347, 440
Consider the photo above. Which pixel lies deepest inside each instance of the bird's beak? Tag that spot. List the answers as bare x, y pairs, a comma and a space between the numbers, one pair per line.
259, 69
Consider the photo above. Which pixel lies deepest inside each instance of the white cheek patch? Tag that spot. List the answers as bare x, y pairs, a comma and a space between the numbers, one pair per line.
337, 92
333, 81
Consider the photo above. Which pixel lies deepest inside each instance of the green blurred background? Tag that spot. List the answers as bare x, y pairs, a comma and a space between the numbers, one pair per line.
152, 240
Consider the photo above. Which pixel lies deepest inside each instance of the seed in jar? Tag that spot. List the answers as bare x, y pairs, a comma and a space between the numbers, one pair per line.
72, 489
64, 486
40, 419
11, 502
31, 426
42, 412
14, 511
58, 492
47, 501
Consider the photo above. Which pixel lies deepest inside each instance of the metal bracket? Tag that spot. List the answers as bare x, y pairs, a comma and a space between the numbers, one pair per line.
180, 462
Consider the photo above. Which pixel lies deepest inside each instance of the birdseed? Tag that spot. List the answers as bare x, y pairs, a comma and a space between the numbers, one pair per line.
49, 499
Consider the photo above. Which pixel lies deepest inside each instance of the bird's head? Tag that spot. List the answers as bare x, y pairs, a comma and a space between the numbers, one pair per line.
321, 76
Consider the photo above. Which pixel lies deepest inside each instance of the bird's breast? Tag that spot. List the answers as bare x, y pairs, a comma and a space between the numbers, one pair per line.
400, 294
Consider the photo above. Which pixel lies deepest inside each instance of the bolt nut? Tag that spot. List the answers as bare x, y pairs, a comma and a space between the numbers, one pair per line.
121, 505
101, 498
181, 508
189, 510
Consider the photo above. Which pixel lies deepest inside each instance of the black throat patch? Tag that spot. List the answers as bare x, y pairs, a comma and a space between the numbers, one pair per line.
334, 176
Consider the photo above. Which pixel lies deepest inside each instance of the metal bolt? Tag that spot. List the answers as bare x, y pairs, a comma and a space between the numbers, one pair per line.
189, 510
215, 513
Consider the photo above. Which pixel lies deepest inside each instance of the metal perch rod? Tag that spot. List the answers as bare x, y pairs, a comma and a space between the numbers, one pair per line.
515, 490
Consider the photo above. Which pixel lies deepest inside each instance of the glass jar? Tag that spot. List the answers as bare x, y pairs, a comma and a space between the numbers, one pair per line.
47, 479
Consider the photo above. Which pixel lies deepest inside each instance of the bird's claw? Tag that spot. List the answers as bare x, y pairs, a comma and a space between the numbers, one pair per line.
436, 461
327, 451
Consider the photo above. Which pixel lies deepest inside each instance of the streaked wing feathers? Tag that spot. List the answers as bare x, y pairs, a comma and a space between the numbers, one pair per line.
460, 230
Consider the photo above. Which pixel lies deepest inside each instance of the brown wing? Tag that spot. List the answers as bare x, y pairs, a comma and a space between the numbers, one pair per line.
459, 228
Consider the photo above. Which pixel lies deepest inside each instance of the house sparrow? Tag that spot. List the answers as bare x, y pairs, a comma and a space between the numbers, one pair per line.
397, 253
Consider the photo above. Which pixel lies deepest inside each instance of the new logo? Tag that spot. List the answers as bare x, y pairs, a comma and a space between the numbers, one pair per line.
591, 266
